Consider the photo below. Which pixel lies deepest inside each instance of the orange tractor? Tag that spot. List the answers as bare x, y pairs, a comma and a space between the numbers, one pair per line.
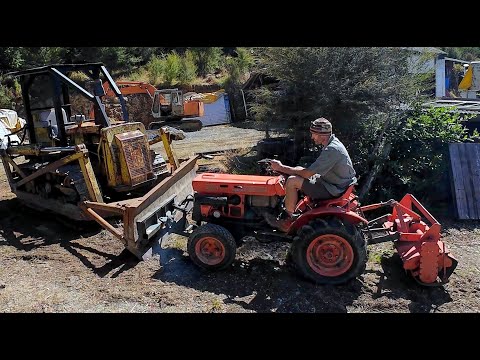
328, 238
168, 106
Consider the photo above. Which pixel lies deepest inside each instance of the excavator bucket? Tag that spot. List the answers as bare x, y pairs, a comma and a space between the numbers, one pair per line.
416, 238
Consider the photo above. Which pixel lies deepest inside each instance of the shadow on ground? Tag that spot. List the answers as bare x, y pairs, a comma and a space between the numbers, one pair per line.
395, 283
27, 229
259, 285
267, 286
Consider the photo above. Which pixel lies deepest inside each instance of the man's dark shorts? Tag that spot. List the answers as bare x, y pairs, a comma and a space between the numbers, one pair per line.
315, 191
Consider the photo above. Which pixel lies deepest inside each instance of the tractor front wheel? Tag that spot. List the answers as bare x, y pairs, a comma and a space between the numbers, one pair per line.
212, 247
329, 251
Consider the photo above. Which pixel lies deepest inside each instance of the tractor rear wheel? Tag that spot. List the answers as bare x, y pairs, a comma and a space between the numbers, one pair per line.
329, 251
212, 247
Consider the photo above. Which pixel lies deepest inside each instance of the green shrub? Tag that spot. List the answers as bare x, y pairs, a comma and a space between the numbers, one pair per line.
207, 59
7, 94
172, 67
5, 98
419, 160
188, 69
155, 69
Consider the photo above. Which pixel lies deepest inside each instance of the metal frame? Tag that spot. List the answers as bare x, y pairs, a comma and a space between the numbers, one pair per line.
58, 74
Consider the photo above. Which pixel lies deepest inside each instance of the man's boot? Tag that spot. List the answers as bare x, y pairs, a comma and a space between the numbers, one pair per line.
281, 224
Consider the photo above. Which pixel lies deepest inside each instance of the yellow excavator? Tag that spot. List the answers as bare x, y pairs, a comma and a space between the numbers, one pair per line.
96, 168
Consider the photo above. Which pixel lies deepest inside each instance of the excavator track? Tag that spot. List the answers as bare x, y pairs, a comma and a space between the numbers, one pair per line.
76, 177
187, 125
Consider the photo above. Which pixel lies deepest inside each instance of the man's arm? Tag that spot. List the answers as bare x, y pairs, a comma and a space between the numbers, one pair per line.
289, 170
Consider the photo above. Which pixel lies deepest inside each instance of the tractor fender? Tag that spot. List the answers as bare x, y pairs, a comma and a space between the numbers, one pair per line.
349, 216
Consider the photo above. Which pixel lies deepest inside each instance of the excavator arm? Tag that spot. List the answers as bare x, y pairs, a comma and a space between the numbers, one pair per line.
131, 87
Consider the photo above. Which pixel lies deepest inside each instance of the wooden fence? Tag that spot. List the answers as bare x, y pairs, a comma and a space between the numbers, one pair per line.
465, 170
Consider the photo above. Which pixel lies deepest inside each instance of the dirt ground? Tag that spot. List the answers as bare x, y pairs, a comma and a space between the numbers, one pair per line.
52, 266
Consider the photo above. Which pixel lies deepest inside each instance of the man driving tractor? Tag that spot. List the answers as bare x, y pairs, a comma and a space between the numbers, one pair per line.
328, 177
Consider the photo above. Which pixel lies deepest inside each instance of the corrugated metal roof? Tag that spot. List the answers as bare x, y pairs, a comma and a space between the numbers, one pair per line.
462, 106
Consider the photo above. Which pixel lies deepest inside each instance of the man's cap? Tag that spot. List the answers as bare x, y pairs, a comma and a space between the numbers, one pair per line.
321, 126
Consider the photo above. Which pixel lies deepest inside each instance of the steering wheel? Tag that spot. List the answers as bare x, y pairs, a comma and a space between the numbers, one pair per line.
266, 163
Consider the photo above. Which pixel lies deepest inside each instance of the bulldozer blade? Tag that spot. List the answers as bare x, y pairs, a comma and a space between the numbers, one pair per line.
147, 221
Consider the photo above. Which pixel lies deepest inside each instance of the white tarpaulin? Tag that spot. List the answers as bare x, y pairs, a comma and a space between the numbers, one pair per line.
11, 120
4, 139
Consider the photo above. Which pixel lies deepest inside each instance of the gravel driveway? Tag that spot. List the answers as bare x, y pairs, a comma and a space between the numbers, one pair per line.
214, 138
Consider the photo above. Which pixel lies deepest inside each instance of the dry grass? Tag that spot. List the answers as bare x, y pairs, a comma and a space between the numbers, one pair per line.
240, 161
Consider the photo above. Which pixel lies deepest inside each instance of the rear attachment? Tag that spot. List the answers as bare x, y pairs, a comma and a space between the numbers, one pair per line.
418, 243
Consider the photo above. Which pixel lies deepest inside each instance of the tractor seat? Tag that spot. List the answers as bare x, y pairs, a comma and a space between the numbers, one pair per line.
341, 200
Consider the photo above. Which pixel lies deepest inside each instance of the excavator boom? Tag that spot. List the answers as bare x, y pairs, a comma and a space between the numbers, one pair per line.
131, 87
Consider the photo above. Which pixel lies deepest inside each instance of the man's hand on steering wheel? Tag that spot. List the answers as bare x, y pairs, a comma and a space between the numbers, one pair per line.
273, 166
276, 165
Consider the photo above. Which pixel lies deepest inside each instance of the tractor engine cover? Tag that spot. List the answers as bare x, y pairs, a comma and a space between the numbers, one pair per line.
229, 195
229, 184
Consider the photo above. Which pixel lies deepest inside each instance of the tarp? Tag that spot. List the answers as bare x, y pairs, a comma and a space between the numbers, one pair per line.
466, 82
11, 120
217, 112
4, 139
216, 106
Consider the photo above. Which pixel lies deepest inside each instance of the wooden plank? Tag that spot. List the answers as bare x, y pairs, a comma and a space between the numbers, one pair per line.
459, 191
475, 174
466, 178
451, 176
463, 214
473, 181
453, 153
465, 170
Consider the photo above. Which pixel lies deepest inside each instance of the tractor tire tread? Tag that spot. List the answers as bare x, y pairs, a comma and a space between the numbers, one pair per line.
216, 231
334, 226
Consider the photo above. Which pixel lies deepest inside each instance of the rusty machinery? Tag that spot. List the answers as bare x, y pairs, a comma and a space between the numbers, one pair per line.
168, 106
94, 168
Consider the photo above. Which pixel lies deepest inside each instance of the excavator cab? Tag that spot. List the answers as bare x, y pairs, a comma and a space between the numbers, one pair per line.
168, 102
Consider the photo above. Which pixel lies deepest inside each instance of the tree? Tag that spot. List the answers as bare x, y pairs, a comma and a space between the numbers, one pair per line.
363, 91
207, 59
463, 53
